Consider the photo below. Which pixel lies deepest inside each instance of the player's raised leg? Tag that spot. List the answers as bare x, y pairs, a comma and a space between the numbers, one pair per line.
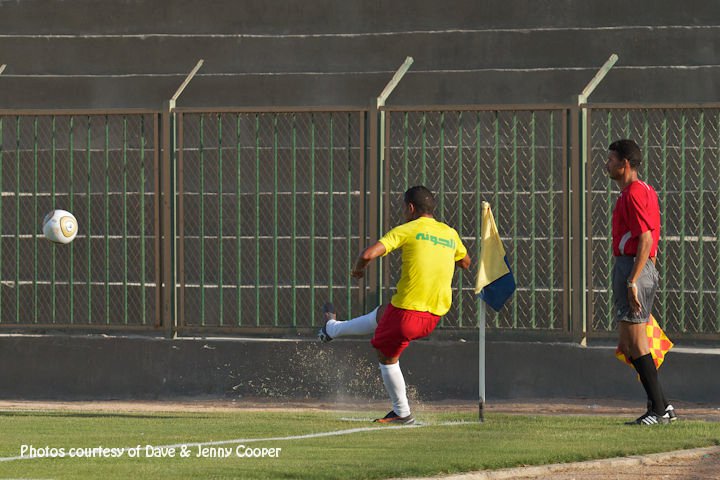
333, 328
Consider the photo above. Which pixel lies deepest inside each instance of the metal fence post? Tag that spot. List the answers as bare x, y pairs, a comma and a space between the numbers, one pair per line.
168, 227
586, 150
362, 217
375, 177
374, 205
157, 242
581, 217
568, 144
577, 229
168, 174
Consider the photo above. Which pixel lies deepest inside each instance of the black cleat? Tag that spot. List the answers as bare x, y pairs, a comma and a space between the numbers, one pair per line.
392, 418
328, 311
651, 418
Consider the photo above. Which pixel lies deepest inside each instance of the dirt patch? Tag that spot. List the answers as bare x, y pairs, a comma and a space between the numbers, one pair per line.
704, 466
699, 463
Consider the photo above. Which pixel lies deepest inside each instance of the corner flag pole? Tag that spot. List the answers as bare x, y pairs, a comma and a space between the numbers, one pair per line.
481, 339
481, 361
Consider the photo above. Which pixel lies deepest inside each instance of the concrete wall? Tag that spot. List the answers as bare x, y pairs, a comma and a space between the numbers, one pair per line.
74, 367
134, 53
330, 16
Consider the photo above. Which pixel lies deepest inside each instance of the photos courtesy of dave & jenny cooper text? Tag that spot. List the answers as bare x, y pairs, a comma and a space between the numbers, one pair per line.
151, 451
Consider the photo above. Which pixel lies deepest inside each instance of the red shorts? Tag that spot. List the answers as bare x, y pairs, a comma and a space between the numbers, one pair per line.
398, 327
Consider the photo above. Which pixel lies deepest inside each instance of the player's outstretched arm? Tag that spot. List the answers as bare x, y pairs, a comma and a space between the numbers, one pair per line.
366, 256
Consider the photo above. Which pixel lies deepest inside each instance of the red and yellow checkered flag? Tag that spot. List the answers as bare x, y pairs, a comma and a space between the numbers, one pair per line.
658, 342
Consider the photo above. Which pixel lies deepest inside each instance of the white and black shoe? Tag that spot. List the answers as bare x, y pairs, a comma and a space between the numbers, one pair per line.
651, 418
328, 311
670, 412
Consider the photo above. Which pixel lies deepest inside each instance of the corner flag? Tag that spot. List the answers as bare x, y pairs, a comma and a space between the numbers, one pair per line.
495, 281
658, 342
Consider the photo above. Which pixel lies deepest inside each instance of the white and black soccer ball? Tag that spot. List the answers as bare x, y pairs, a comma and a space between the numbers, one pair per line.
60, 226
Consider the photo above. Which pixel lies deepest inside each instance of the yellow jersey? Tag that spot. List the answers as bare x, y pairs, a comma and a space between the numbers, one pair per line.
429, 252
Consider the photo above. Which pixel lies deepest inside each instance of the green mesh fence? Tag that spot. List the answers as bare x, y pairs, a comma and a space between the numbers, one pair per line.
272, 209
515, 161
100, 168
269, 222
681, 153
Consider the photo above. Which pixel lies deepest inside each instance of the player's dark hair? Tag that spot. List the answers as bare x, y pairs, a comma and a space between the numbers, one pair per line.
422, 198
629, 150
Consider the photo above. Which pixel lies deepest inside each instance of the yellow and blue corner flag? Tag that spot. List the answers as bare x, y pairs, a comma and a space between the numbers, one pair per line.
495, 281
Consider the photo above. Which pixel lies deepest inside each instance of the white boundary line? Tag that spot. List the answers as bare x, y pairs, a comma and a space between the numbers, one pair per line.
333, 433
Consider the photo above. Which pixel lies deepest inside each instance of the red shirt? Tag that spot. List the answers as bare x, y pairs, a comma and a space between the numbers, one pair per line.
637, 210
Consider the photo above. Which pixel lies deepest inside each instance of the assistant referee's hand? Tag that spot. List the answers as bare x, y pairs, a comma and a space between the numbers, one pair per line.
357, 273
633, 301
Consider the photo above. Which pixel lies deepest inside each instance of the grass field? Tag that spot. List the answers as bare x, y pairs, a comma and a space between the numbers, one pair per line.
354, 448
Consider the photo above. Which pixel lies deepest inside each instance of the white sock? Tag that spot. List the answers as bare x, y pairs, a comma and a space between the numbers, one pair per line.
395, 385
362, 325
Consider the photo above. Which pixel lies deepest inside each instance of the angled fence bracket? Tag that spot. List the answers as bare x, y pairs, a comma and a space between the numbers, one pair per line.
599, 77
185, 83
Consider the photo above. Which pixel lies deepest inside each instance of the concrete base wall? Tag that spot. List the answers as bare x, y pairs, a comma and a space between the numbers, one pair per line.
74, 367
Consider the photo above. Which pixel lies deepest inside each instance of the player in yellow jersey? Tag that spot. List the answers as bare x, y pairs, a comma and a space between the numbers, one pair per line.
430, 252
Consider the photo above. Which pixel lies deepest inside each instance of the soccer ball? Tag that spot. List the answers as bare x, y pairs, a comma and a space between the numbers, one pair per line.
60, 226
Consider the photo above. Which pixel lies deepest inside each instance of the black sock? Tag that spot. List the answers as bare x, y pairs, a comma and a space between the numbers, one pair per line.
645, 367
649, 404
664, 400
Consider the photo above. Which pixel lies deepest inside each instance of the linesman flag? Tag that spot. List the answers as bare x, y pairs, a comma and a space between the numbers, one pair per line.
658, 342
495, 281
